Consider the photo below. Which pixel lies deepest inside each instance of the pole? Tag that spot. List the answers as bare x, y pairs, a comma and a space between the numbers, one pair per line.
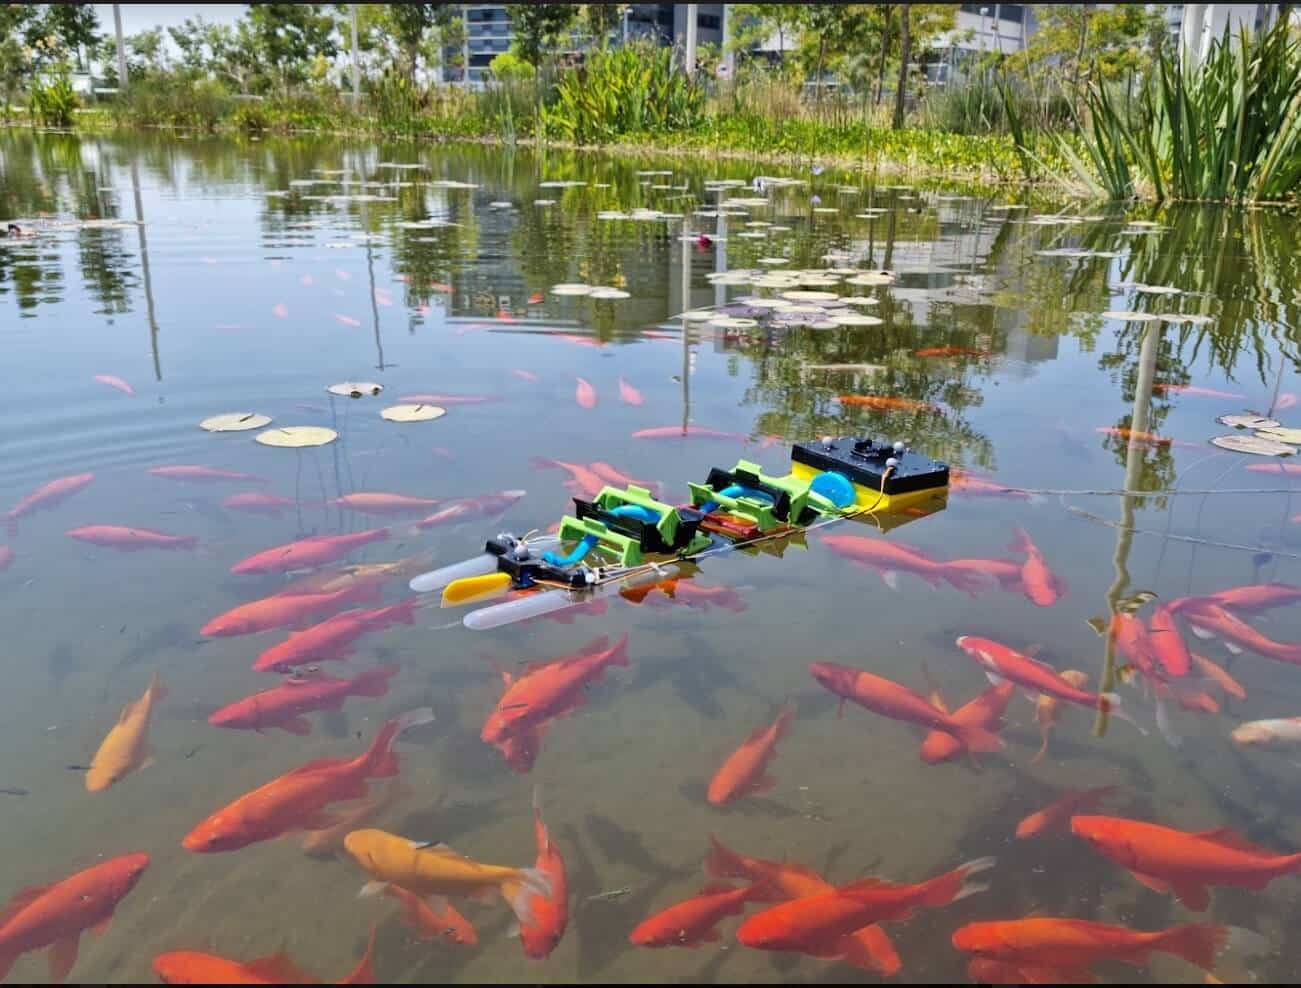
144, 267
465, 45
689, 60
121, 46
356, 67
729, 56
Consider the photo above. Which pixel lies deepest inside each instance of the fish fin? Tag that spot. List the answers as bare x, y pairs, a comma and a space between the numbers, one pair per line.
315, 765
1155, 884
1200, 632
372, 889
1232, 648
1227, 837
62, 957
100, 928
890, 578
870, 949
1163, 725
1197, 943
518, 890
1195, 897
723, 862
158, 688
277, 969
840, 709
364, 972
20, 900
994, 678
978, 738
298, 725
374, 682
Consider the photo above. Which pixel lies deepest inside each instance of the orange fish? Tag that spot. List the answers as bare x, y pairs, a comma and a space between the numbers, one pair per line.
280, 310
1005, 572
984, 711
820, 924
466, 508
56, 916
284, 706
353, 576
869, 948
585, 394
1255, 597
1285, 469
537, 298
744, 771
524, 375
6, 557
1040, 585
1169, 860
1057, 814
619, 479
1219, 675
380, 503
259, 502
297, 800
521, 749
1074, 945
329, 840
628, 394
115, 382
126, 746
201, 474
1167, 641
692, 922
1047, 709
130, 539
315, 550
962, 482
1135, 436
950, 351
1211, 620
1005, 663
281, 611
890, 558
583, 481
47, 496
439, 921
884, 403
686, 432
550, 912
191, 967
333, 638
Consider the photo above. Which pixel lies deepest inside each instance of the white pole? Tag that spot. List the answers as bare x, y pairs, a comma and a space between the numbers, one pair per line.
465, 45
356, 68
689, 61
729, 56
121, 46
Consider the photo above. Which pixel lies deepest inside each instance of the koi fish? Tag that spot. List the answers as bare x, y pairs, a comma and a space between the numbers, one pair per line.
1001, 662
465, 509
332, 639
693, 921
6, 557
580, 340
280, 310
868, 948
259, 503
329, 840
1134, 436
1195, 391
1256, 597
629, 395
444, 399
1005, 572
47, 496
1047, 709
1040, 585
744, 771
56, 916
298, 799
585, 394
349, 321
130, 539
1169, 860
192, 967
890, 558
379, 503
126, 746
1278, 734
684, 590
984, 711
354, 576
550, 912
1212, 620
1057, 814
1219, 676
115, 382
521, 749
1285, 469
884, 403
686, 432
894, 700
200, 474
436, 870
1167, 642
583, 481
524, 375
962, 482
819, 924
315, 550
612, 476
284, 706
430, 923
281, 611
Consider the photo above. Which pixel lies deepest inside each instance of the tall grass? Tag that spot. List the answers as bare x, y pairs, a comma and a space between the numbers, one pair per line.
53, 102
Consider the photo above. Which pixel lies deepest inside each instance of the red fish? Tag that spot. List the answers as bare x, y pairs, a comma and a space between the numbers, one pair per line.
619, 479
1167, 641
628, 394
1040, 585
1256, 597
115, 382
191, 967
1285, 401
433, 922
585, 394
1194, 391
1209, 619
298, 799
537, 298
201, 474
692, 922
350, 321
56, 916
889, 558
1057, 814
521, 748
524, 375
280, 310
583, 481
282, 611
130, 539
1220, 676
1285, 469
1072, 946
1135, 436
820, 924
553, 689
284, 706
542, 933
684, 590
885, 403
47, 496
890, 699
333, 638
984, 711
315, 550
464, 509
1001, 662
381, 503
950, 351
744, 771
259, 503
6, 557
1005, 572
686, 432
445, 399
962, 482
1169, 860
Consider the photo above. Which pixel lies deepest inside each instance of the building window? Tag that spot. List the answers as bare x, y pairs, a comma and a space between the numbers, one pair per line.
709, 21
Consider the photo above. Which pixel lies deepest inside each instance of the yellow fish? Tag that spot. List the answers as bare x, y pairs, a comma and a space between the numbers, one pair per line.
436, 870
126, 746
1046, 710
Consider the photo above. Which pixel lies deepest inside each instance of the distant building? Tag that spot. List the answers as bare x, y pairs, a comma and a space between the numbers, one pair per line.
980, 28
1203, 24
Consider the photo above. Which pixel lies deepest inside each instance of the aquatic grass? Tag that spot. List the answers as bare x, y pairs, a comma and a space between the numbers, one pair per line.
53, 102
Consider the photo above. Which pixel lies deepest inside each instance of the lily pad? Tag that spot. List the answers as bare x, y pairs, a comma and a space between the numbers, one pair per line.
1247, 421
798, 296
856, 319
1281, 434
735, 322
571, 288
1126, 316
235, 422
861, 300
413, 413
1253, 445
610, 293
355, 389
296, 436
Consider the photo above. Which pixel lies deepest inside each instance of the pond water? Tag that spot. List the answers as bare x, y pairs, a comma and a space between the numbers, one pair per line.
211, 276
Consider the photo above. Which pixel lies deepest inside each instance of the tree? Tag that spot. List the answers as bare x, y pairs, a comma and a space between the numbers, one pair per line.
409, 22
538, 26
74, 25
145, 53
905, 50
288, 36
603, 19
15, 63
1090, 42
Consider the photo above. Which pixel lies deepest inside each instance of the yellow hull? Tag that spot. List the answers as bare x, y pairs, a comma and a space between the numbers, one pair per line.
875, 501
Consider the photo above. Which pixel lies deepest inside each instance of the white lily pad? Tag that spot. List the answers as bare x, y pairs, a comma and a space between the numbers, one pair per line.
1253, 445
413, 413
800, 296
856, 319
1281, 434
1125, 315
735, 322
610, 294
862, 300
296, 436
235, 422
355, 389
1247, 421
573, 288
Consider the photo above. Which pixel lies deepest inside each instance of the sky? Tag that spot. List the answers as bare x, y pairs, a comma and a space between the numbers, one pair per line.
142, 16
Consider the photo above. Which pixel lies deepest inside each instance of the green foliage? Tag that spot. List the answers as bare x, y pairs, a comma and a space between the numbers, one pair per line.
1091, 42
251, 117
288, 36
53, 102
539, 26
410, 22
397, 104
510, 68
174, 101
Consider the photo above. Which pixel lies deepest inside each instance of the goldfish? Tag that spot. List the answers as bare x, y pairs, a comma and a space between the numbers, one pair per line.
284, 706
6, 557
1285, 401
378, 503
130, 539
1167, 642
115, 382
447, 399
1135, 436
1056, 815
819, 924
202, 474
430, 923
329, 840
1194, 391
583, 481
629, 395
890, 558
962, 482
1169, 860
537, 298
894, 700
868, 948
47, 496
354, 576
1211, 620
692, 922
1005, 572
684, 590
280, 310
551, 911
280, 611
1074, 945
524, 375
1047, 709
885, 403
1286, 469
350, 321
685, 432
553, 689
1256, 597
191, 967
522, 747
612, 476
1001, 662
56, 915
333, 638
1219, 676
259, 502
1278, 734
298, 799
984, 711
315, 550
950, 351
126, 746
1040, 585
436, 870
467, 508
744, 771
585, 394
985, 971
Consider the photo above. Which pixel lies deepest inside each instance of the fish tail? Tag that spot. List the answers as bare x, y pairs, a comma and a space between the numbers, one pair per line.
158, 688
543, 463
960, 579
1197, 943
380, 759
1020, 542
1109, 703
405, 612
364, 972
723, 862
374, 682
620, 652
783, 723
978, 738
520, 887
956, 884
1043, 748
187, 542
870, 949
